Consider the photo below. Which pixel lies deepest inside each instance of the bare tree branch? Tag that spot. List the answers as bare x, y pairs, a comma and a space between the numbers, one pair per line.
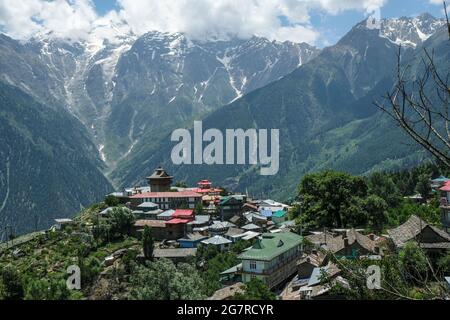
419, 104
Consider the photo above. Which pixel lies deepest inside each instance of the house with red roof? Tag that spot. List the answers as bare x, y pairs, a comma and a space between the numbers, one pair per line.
173, 229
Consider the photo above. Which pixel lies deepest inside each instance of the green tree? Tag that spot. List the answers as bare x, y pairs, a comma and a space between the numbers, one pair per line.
199, 209
181, 184
11, 285
413, 261
162, 280
120, 221
423, 186
295, 212
402, 277
112, 201
44, 289
382, 185
399, 215
256, 289
444, 264
148, 243
376, 210
332, 199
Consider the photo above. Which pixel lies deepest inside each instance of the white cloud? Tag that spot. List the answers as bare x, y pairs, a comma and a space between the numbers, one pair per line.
200, 19
23, 19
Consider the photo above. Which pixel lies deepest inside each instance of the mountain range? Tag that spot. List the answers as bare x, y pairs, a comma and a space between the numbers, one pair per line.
100, 115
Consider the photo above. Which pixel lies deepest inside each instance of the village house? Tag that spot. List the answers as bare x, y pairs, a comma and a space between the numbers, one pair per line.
168, 200
316, 288
287, 226
255, 218
273, 204
439, 182
219, 242
231, 206
279, 217
232, 275
433, 240
267, 208
219, 227
192, 240
147, 210
308, 263
252, 227
160, 181
210, 195
199, 222
272, 258
318, 240
351, 244
250, 206
250, 235
61, 224
177, 255
122, 197
234, 234
238, 220
166, 215
445, 206
161, 230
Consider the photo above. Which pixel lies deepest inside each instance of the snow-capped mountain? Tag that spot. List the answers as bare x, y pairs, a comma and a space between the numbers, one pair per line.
410, 32
124, 96
119, 88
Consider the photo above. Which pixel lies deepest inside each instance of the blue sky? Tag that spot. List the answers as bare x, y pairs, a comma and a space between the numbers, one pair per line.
318, 22
333, 27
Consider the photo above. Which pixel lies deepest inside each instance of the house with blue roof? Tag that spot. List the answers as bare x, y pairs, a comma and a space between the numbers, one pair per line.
192, 240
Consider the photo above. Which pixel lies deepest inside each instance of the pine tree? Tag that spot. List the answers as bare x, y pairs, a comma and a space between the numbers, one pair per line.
148, 243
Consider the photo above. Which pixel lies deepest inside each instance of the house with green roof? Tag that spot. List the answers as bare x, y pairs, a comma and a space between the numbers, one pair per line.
272, 258
231, 206
279, 217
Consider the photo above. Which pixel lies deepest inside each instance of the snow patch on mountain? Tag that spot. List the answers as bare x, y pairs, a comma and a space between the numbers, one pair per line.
410, 32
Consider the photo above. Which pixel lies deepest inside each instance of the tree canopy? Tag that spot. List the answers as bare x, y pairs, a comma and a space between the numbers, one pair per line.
339, 200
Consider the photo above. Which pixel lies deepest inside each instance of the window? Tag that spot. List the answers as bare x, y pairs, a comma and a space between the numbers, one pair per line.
252, 265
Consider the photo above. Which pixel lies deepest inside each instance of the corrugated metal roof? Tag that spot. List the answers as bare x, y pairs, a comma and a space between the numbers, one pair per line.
279, 214
216, 240
272, 245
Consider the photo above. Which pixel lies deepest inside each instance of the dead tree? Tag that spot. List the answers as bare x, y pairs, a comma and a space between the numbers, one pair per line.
419, 103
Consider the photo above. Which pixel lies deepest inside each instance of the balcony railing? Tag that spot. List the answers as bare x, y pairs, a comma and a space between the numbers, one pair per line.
274, 268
